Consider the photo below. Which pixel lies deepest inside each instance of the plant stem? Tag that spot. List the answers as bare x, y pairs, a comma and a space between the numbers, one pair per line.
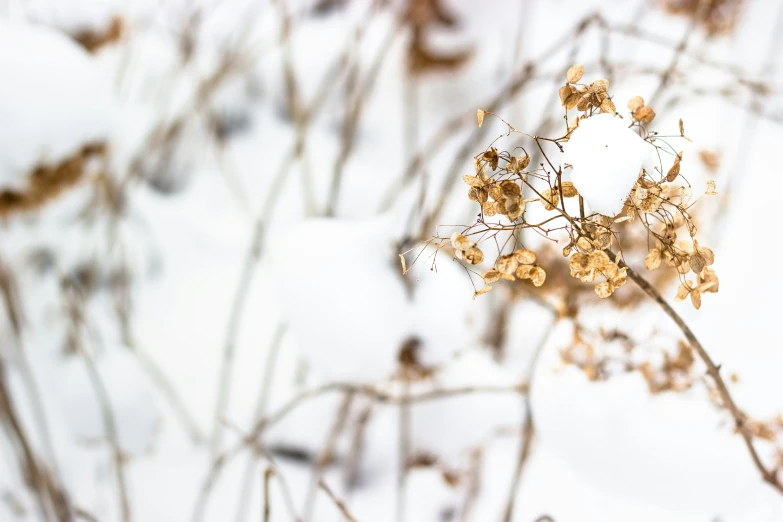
713, 370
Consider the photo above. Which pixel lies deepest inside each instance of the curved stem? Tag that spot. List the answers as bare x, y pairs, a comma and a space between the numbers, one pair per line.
713, 370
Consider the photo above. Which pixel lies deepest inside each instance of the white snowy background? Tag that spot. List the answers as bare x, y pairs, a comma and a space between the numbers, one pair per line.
233, 274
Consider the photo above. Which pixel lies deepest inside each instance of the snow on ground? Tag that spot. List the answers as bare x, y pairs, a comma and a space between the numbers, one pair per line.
44, 124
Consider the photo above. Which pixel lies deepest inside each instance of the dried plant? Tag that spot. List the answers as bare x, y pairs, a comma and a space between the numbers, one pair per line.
658, 202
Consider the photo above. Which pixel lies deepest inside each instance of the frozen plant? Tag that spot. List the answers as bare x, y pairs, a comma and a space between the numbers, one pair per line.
614, 182
614, 187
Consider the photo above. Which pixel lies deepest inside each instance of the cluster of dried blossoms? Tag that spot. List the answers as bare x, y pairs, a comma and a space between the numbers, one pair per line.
505, 184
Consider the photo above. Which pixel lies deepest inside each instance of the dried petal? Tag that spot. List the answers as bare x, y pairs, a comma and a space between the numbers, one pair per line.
603, 241
565, 93
572, 101
598, 259
711, 188
550, 199
474, 255
635, 103
490, 208
518, 163
685, 195
675, 170
481, 291
706, 253
490, 276
644, 114
491, 157
608, 107
708, 277
514, 208
478, 195
682, 128
579, 262
584, 244
697, 263
525, 257
696, 298
588, 276
460, 242
538, 276
479, 117
574, 74
507, 264
653, 259
569, 190
524, 271
473, 181
621, 278
682, 292
604, 290
610, 270
510, 189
